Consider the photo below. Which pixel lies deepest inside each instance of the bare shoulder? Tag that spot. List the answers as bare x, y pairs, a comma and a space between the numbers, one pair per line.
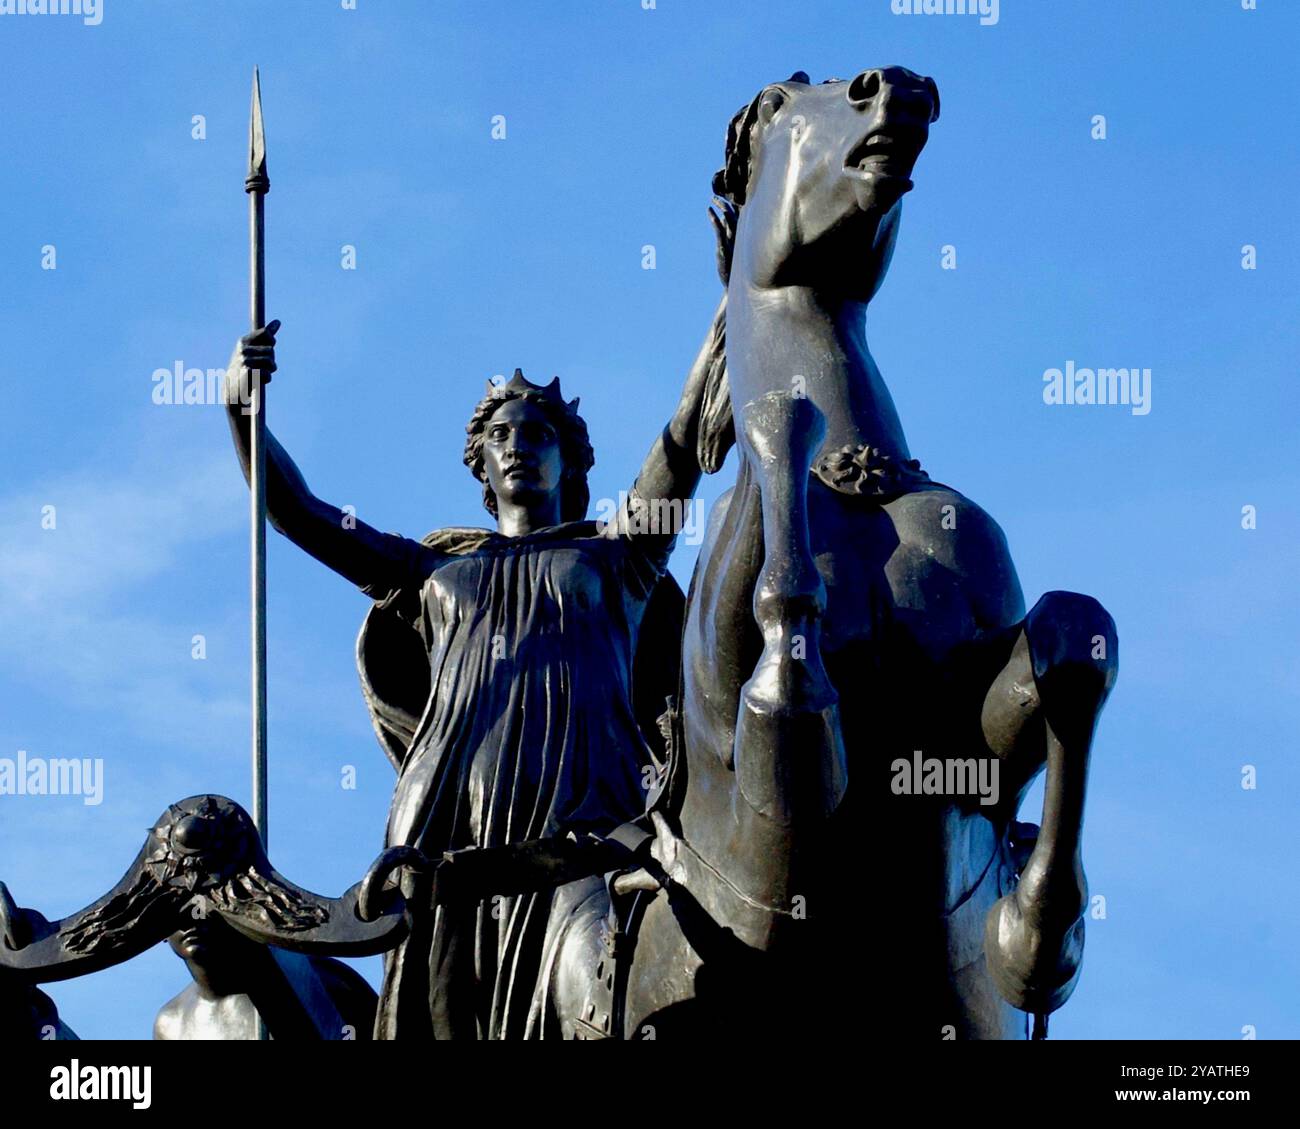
170, 1021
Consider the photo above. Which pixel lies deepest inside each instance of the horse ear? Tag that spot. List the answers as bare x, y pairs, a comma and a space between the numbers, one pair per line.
933, 88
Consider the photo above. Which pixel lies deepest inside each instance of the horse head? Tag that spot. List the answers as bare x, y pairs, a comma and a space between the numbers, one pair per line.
819, 172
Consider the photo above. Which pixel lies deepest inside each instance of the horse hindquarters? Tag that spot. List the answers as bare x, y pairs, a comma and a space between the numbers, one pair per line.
917, 624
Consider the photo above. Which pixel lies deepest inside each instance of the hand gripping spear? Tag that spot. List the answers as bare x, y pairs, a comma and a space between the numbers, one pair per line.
257, 185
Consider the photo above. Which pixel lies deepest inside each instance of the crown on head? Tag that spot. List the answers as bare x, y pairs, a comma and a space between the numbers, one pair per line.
520, 385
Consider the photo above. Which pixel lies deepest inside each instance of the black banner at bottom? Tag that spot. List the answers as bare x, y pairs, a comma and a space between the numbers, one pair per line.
805, 1074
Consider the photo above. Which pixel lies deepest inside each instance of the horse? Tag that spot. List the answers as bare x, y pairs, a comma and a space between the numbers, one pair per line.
848, 616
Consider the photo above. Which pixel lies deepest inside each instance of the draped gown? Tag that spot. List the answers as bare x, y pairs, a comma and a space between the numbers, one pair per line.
528, 731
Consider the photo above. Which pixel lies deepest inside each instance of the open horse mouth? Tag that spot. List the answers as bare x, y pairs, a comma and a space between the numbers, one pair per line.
885, 154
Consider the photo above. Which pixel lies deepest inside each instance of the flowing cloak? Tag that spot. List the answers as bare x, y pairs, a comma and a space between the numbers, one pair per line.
513, 687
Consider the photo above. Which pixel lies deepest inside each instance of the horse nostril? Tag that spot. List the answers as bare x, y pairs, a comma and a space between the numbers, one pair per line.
865, 87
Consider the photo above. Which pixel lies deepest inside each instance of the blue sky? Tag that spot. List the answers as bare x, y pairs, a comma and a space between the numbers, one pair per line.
475, 255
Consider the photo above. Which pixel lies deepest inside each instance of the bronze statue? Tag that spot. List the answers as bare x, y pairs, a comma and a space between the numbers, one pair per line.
846, 611
203, 880
557, 865
28, 1013
499, 667
239, 984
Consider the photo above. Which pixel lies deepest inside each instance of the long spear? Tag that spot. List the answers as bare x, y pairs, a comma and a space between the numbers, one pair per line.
257, 185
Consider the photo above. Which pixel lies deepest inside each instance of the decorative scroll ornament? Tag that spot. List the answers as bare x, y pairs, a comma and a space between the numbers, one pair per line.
202, 856
207, 847
868, 471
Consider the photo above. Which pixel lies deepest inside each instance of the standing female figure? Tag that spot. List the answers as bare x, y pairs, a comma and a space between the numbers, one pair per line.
530, 633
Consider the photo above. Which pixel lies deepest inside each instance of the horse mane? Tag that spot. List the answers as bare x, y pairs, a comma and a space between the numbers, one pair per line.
717, 427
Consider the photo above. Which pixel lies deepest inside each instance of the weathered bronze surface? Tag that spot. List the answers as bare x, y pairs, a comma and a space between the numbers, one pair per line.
499, 669
845, 612
238, 982
566, 858
202, 858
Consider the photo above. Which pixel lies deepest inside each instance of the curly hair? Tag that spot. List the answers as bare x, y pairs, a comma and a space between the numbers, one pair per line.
575, 446
731, 182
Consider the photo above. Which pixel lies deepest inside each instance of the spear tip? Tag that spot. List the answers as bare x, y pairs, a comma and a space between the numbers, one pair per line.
257, 180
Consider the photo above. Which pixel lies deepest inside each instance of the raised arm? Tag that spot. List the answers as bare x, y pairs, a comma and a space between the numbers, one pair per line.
375, 562
672, 467
656, 506
701, 430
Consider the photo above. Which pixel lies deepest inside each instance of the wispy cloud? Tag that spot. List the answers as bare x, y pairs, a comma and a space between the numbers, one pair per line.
86, 607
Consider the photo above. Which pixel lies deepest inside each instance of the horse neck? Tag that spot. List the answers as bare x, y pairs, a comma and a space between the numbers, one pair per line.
777, 333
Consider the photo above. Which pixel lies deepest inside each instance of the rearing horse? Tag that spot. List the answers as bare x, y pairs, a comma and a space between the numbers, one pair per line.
846, 612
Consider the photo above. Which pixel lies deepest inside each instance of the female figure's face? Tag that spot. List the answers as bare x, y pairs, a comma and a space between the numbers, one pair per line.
521, 457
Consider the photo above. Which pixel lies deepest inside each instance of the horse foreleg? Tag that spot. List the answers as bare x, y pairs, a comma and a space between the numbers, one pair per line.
789, 751
1044, 706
